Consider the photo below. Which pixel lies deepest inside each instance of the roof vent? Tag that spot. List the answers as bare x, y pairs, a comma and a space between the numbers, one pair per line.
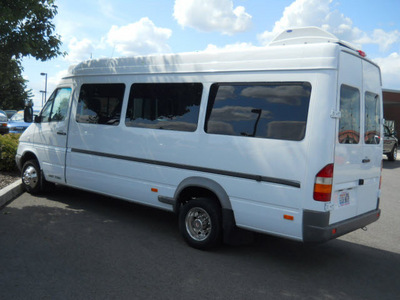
304, 35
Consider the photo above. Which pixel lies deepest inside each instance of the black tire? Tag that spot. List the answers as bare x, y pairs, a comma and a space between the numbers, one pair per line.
392, 156
31, 177
200, 223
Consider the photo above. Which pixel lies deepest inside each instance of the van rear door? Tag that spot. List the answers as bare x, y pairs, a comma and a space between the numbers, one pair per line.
373, 138
358, 149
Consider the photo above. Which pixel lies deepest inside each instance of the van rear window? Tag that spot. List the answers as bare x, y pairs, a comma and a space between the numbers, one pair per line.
349, 124
372, 114
100, 103
263, 110
168, 106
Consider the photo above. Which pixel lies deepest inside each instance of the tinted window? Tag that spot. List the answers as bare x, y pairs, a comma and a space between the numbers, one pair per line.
372, 115
172, 106
100, 104
265, 110
45, 114
56, 108
387, 131
349, 124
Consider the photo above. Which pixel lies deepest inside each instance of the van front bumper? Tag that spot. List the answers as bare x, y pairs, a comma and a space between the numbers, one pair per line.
316, 227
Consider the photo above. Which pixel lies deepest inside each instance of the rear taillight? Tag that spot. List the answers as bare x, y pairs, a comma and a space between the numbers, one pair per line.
323, 184
380, 179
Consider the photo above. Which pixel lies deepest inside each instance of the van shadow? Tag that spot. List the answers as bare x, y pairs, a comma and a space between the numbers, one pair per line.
387, 164
86, 229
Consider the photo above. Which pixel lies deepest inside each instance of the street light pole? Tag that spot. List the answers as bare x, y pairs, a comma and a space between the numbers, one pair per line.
42, 92
45, 87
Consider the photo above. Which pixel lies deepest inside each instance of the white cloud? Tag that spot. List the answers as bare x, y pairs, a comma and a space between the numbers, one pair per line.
79, 50
390, 67
212, 15
381, 38
319, 13
142, 37
312, 13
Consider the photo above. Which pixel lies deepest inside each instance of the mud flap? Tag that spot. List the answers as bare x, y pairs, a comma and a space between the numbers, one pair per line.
232, 235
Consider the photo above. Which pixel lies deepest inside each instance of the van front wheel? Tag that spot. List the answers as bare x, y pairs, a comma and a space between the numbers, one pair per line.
200, 223
31, 177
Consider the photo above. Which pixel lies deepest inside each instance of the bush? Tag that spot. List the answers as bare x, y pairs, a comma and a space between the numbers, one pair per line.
8, 149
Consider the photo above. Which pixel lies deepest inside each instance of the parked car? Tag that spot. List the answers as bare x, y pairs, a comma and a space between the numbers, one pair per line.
390, 144
3, 122
10, 113
16, 124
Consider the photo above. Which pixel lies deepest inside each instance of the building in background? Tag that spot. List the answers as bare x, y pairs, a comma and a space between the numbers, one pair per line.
391, 107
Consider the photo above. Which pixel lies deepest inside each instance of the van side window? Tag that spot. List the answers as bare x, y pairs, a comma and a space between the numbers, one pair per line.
372, 114
55, 109
171, 106
264, 110
349, 124
100, 103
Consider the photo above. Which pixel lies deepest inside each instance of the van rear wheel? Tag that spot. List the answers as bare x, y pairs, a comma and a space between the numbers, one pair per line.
200, 223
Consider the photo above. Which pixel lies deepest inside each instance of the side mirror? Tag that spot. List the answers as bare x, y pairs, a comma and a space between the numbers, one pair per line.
28, 114
38, 119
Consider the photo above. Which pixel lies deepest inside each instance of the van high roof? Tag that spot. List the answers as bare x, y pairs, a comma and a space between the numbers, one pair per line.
299, 48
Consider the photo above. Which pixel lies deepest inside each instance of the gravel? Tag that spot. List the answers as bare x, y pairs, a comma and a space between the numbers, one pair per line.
7, 178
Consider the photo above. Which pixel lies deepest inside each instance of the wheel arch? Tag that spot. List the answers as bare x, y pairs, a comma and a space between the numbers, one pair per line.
28, 155
200, 187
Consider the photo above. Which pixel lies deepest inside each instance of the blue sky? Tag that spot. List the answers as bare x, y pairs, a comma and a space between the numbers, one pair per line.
114, 28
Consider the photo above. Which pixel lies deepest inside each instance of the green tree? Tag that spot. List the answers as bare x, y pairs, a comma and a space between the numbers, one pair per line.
26, 29
13, 90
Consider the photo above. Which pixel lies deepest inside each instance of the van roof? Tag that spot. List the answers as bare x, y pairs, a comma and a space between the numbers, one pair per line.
300, 48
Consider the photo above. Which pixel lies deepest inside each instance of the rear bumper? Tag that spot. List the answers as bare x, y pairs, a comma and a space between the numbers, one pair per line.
316, 226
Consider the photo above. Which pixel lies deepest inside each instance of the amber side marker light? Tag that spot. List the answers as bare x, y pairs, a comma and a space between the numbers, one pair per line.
288, 217
154, 190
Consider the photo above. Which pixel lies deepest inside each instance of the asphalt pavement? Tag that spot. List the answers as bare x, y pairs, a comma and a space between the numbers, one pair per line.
70, 244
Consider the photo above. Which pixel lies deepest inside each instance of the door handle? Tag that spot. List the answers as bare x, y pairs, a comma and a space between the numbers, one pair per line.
366, 160
61, 133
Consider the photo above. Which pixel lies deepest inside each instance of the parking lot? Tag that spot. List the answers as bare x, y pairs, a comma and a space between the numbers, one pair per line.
70, 244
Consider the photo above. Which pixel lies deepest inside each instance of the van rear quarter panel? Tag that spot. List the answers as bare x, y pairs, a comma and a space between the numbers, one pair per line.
260, 206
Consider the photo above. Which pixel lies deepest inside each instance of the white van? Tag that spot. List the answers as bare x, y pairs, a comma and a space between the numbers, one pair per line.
283, 140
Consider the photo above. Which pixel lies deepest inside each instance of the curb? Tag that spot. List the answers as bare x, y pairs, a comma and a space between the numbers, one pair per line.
10, 192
